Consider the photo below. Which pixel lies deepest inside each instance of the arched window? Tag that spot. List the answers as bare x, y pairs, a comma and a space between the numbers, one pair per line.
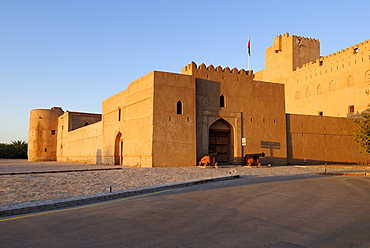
350, 81
332, 86
367, 77
222, 101
308, 92
319, 89
179, 108
298, 95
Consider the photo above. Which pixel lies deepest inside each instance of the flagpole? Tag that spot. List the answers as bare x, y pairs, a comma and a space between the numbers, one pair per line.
249, 62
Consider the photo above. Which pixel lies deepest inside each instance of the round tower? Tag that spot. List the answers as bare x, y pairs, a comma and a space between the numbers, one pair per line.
42, 134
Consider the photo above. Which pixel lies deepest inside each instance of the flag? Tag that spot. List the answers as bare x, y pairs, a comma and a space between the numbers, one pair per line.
249, 46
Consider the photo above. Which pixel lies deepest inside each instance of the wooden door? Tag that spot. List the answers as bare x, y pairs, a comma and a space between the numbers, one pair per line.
219, 142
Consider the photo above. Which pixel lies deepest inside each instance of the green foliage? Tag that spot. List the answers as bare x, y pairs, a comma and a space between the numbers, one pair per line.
361, 132
17, 149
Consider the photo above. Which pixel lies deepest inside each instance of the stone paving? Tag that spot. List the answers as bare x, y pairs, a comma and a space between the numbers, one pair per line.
81, 180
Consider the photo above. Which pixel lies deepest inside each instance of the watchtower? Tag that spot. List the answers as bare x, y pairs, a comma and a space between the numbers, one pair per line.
287, 53
42, 135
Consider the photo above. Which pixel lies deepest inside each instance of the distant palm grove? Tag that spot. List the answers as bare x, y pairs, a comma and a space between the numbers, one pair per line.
17, 149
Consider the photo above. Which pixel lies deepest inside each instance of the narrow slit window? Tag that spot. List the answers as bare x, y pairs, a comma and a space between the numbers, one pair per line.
119, 114
222, 101
52, 132
179, 108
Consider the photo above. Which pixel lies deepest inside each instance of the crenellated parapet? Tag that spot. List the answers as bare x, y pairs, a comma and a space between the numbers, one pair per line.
359, 51
215, 73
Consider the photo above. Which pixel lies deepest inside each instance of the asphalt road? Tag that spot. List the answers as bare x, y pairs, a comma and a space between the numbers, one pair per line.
290, 211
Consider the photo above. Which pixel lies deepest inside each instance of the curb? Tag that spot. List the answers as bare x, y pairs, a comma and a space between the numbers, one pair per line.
333, 166
344, 173
55, 171
31, 207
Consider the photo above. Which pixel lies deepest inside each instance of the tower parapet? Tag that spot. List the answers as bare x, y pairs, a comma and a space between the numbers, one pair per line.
216, 73
42, 134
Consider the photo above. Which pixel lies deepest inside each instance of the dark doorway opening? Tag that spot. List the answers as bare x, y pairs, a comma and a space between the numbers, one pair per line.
219, 141
118, 147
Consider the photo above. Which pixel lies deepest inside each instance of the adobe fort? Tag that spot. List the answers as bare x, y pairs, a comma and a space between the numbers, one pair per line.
295, 111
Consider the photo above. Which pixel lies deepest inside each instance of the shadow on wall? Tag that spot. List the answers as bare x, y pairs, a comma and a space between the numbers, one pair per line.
98, 157
271, 146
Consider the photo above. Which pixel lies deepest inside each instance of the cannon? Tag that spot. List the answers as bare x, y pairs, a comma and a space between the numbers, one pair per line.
209, 160
253, 158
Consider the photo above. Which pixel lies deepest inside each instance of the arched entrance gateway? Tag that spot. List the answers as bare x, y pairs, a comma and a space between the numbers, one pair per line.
220, 141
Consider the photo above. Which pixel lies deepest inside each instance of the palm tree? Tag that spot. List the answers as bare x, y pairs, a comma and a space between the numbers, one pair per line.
20, 147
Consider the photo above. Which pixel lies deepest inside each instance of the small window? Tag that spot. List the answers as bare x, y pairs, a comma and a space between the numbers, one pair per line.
52, 132
355, 50
222, 101
351, 109
179, 109
119, 114
45, 149
298, 95
308, 92
321, 63
321, 113
86, 124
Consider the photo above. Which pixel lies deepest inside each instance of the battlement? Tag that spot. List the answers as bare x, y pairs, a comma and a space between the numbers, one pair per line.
193, 69
301, 38
349, 52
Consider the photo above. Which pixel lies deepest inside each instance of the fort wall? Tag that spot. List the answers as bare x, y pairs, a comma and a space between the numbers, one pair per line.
332, 83
82, 145
320, 139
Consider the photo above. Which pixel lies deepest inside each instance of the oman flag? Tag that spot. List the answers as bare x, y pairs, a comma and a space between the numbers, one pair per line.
249, 46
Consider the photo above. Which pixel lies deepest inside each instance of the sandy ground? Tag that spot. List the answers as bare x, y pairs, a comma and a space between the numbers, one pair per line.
33, 187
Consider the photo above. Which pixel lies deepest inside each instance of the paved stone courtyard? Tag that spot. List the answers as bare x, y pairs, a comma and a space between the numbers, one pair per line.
49, 180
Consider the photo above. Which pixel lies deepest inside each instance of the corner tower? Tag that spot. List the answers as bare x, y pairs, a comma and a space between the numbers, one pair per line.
42, 134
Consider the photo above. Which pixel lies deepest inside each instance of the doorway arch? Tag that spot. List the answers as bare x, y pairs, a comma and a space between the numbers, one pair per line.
118, 149
220, 140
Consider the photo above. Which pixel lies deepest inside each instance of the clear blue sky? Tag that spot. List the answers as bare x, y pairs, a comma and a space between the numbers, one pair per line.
76, 53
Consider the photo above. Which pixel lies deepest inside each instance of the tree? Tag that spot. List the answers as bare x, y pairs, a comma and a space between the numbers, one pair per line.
20, 148
361, 132
17, 149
